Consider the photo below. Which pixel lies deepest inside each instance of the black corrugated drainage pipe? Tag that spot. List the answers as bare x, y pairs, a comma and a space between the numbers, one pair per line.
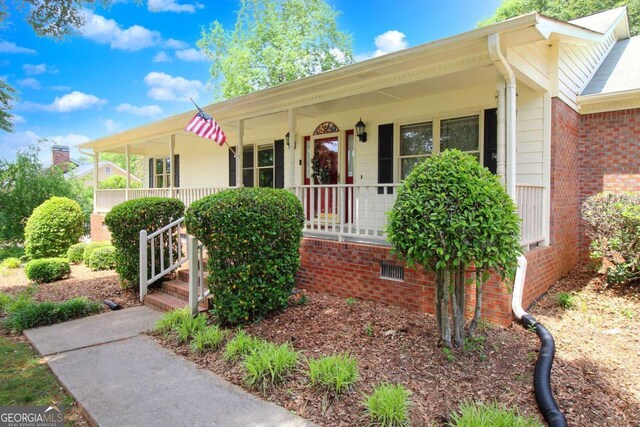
542, 374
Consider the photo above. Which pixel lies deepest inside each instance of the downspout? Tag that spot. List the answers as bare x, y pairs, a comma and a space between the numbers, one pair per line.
506, 71
542, 373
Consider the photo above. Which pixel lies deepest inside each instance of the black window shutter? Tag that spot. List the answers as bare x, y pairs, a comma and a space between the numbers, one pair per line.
491, 140
385, 156
232, 169
176, 170
278, 154
151, 173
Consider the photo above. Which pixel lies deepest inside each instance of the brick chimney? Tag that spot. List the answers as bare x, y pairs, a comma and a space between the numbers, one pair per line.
60, 156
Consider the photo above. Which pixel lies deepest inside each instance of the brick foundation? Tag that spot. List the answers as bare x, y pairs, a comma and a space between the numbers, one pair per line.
99, 230
609, 157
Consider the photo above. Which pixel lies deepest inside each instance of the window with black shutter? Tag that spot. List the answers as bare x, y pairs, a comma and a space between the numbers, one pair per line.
385, 156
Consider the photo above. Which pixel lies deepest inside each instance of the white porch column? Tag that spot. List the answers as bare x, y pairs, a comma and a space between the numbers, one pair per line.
239, 154
172, 148
290, 153
501, 139
128, 164
96, 163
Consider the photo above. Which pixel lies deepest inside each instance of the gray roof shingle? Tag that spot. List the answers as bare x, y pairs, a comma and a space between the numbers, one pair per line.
620, 71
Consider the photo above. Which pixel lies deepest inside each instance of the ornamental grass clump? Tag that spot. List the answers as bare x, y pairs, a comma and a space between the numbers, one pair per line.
452, 215
188, 327
241, 345
170, 319
25, 313
492, 415
53, 227
252, 236
335, 374
207, 339
388, 406
269, 364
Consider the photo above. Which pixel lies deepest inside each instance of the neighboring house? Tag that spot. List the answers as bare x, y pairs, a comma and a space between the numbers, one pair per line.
61, 157
106, 169
552, 107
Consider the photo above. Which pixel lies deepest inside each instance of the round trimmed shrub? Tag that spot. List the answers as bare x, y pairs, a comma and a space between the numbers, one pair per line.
125, 222
75, 254
52, 227
45, 270
103, 258
252, 236
89, 248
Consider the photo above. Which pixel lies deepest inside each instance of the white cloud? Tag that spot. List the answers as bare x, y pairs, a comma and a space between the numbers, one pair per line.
387, 42
107, 31
164, 87
11, 47
111, 125
175, 44
161, 57
391, 41
35, 69
70, 102
191, 55
145, 110
172, 6
69, 139
30, 83
17, 119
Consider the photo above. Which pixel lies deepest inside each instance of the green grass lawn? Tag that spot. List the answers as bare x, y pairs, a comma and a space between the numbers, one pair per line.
25, 379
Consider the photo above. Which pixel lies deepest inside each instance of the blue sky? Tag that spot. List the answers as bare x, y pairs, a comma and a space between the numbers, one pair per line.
135, 63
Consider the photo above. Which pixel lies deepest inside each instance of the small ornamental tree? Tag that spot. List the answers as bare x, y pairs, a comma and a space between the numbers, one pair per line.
53, 227
252, 236
452, 214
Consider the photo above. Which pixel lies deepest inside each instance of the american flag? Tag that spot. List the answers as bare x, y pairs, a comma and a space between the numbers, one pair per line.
204, 126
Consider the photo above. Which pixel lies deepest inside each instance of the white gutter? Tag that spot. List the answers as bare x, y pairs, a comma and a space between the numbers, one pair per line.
505, 70
518, 288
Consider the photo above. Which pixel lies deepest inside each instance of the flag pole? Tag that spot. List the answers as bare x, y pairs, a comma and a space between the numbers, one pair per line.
230, 149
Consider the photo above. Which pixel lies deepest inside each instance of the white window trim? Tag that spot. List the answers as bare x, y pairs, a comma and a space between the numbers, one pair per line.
435, 119
164, 173
256, 145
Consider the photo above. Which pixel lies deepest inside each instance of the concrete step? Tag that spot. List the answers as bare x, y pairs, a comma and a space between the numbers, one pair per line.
165, 302
176, 288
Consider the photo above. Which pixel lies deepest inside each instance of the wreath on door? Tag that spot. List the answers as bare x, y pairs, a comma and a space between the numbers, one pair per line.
321, 168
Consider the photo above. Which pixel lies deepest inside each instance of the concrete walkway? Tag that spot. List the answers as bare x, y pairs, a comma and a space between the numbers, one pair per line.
120, 377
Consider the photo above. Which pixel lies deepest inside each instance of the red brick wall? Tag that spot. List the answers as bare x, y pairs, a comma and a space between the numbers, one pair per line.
99, 231
609, 156
353, 270
565, 207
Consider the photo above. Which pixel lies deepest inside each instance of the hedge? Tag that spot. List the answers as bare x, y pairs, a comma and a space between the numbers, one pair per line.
75, 254
53, 227
125, 222
103, 258
252, 236
45, 270
89, 248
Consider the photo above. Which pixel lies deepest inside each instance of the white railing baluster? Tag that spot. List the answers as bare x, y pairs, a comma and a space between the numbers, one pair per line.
143, 264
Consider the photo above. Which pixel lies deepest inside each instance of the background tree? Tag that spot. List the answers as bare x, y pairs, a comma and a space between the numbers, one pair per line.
119, 159
117, 182
26, 184
564, 10
452, 215
273, 42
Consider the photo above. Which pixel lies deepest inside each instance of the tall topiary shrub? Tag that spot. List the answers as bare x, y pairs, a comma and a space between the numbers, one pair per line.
452, 214
252, 236
125, 222
53, 227
613, 225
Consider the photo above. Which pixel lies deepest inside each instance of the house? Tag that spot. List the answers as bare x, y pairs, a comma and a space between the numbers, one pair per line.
551, 107
61, 157
106, 169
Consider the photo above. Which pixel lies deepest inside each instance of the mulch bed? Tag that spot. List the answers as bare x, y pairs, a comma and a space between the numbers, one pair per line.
595, 379
83, 282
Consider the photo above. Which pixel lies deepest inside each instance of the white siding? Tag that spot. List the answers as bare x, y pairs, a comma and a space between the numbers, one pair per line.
530, 137
576, 66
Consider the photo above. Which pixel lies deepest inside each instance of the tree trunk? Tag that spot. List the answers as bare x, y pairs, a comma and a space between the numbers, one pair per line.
445, 326
461, 287
439, 289
458, 317
478, 308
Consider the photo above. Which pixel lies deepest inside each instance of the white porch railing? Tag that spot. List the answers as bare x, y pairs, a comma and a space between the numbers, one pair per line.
107, 199
346, 211
159, 245
530, 202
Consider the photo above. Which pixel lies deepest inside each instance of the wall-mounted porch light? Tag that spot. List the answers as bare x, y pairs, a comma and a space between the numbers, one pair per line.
286, 139
360, 127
